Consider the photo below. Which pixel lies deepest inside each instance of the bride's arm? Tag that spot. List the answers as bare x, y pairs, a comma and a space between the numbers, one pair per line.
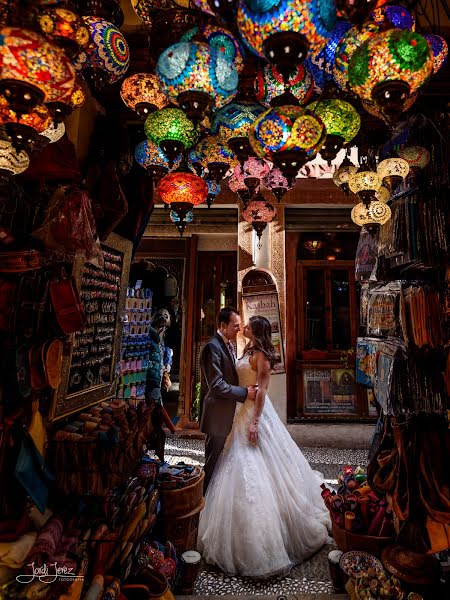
263, 371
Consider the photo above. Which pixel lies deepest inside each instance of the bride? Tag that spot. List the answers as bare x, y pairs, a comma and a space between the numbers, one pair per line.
264, 512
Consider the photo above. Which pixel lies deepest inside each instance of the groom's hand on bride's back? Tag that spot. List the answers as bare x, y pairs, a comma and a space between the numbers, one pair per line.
251, 392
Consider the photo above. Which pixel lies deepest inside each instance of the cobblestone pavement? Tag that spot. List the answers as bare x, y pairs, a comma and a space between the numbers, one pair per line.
310, 577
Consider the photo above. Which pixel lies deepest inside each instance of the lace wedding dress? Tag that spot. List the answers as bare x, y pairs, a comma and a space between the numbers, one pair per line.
264, 512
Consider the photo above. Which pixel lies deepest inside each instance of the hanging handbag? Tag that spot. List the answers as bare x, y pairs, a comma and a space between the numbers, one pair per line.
67, 305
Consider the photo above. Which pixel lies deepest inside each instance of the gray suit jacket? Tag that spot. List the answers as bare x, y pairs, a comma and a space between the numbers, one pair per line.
219, 388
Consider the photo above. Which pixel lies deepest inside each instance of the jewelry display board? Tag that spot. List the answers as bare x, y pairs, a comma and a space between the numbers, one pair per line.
90, 356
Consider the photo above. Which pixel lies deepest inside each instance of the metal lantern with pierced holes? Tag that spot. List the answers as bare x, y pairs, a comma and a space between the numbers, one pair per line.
269, 85
232, 124
439, 48
342, 123
364, 183
182, 190
392, 171
197, 77
389, 67
219, 38
215, 157
172, 131
33, 69
341, 175
289, 136
141, 93
107, 58
284, 31
11, 161
258, 213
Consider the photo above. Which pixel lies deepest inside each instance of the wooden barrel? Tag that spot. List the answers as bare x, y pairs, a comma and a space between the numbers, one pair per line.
181, 501
182, 530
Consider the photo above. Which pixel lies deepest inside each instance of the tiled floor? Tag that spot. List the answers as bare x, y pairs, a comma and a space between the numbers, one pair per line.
309, 577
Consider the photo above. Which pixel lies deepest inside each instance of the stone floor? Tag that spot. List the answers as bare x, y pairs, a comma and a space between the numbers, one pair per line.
312, 576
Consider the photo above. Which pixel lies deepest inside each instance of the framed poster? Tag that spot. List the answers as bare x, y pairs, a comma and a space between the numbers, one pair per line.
90, 356
329, 391
265, 304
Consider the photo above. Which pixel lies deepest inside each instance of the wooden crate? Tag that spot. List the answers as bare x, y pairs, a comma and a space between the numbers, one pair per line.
181, 501
347, 541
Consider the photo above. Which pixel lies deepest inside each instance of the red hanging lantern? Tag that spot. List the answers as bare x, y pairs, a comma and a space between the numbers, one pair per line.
182, 190
259, 213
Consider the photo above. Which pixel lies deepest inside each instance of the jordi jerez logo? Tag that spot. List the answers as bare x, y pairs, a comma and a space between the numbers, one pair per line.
48, 573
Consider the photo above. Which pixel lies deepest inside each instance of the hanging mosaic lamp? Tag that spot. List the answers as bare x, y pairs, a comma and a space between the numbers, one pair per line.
347, 46
258, 213
172, 131
355, 11
393, 17
364, 183
141, 93
65, 27
54, 132
277, 183
372, 108
182, 190
341, 175
371, 217
181, 222
383, 194
219, 38
417, 157
215, 157
33, 69
439, 48
389, 67
321, 65
144, 10
107, 58
149, 156
392, 170
197, 77
109, 10
289, 136
11, 161
342, 123
224, 8
253, 171
23, 129
232, 124
213, 191
237, 185
269, 84
284, 31
63, 108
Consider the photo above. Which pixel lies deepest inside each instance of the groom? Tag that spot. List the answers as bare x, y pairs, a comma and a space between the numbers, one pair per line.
219, 387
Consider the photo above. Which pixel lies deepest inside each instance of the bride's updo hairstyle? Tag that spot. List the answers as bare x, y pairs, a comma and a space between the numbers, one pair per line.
262, 339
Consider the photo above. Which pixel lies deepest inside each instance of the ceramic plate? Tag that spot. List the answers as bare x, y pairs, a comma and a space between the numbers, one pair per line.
356, 561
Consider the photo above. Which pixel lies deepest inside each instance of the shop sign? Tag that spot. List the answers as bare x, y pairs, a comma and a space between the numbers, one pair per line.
329, 391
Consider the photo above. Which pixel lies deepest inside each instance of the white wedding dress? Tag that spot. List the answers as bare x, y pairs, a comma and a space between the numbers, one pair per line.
264, 512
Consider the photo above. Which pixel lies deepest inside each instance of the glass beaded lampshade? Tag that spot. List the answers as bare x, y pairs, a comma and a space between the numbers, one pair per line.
376, 214
342, 123
107, 58
321, 64
33, 69
216, 157
269, 84
276, 182
289, 136
439, 48
144, 10
259, 213
54, 132
197, 77
149, 156
65, 27
393, 16
182, 190
364, 183
232, 124
417, 157
284, 31
392, 170
171, 130
77, 98
11, 161
342, 174
219, 38
24, 128
389, 67
141, 93
346, 47
382, 194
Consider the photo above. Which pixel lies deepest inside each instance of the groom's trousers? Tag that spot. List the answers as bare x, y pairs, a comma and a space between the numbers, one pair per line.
213, 449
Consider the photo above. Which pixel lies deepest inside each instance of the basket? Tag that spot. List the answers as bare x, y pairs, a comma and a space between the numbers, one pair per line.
182, 531
181, 501
347, 541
